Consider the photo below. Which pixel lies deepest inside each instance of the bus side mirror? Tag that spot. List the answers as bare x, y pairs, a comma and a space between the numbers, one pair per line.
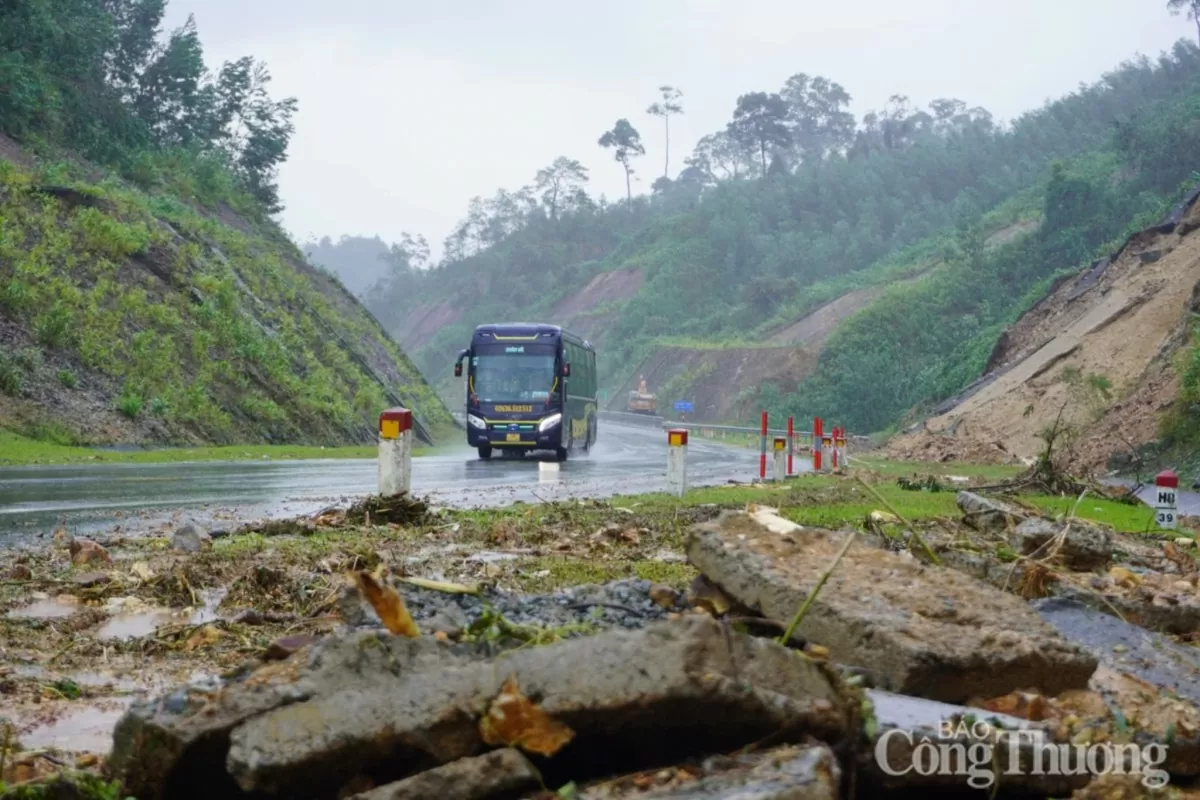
458, 369
567, 369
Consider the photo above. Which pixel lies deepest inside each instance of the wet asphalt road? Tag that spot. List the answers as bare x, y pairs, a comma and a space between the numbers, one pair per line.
142, 497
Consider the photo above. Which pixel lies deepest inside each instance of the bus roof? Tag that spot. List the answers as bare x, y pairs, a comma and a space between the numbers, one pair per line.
526, 330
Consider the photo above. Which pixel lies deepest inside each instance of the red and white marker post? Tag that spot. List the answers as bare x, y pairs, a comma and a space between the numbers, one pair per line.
791, 440
1166, 486
818, 440
677, 439
762, 459
395, 451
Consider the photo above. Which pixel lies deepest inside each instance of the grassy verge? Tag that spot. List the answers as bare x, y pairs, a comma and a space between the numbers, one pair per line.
18, 451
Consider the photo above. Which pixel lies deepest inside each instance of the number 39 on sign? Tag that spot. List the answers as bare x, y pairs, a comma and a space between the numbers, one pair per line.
1165, 517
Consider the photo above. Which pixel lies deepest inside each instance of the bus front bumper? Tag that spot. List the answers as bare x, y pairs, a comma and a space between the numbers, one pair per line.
500, 435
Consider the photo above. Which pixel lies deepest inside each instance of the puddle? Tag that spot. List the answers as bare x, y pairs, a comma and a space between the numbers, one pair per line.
47, 608
133, 619
88, 729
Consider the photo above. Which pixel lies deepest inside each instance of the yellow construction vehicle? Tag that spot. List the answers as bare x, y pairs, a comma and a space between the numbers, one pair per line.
641, 401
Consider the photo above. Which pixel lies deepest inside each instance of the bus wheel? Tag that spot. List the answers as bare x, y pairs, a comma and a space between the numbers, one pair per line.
485, 451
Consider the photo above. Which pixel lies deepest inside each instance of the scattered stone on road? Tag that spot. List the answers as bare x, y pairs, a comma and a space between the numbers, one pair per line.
1082, 546
190, 539
988, 514
86, 551
930, 632
497, 773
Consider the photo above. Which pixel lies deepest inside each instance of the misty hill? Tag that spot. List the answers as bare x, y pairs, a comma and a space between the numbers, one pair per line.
796, 204
146, 295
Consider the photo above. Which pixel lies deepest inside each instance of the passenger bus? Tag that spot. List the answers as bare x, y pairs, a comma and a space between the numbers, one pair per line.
529, 386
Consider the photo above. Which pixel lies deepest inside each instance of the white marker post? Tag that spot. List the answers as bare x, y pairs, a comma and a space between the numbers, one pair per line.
395, 452
780, 465
677, 461
1166, 484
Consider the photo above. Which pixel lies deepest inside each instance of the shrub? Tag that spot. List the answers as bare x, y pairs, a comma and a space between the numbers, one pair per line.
29, 358
67, 378
52, 326
10, 376
130, 405
159, 407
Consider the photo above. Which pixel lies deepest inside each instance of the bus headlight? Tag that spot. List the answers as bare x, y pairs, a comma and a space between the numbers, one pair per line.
476, 422
549, 422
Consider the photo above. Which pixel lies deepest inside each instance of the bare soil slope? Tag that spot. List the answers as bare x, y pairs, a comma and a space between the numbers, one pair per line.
715, 380
1096, 351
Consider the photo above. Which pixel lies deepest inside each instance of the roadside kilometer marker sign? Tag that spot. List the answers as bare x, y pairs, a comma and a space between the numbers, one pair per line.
1166, 484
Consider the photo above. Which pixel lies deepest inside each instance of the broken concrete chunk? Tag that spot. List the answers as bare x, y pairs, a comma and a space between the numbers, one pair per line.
642, 698
987, 514
498, 772
174, 745
1083, 547
926, 631
784, 773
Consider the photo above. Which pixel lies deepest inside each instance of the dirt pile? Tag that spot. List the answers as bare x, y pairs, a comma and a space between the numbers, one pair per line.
1093, 357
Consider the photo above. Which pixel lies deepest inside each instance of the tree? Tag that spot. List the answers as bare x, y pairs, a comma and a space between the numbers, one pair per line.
817, 115
560, 182
717, 151
626, 143
1192, 7
665, 108
760, 122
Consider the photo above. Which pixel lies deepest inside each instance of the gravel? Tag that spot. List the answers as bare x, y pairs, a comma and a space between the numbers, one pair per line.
623, 604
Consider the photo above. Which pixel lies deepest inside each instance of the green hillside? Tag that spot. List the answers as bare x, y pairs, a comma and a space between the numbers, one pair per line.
146, 294
737, 246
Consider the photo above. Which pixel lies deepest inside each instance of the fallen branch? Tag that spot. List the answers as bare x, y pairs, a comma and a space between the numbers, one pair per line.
441, 586
808, 601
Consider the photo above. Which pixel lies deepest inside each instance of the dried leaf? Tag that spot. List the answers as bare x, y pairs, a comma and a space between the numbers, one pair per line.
387, 605
1124, 577
513, 720
441, 586
1023, 705
203, 637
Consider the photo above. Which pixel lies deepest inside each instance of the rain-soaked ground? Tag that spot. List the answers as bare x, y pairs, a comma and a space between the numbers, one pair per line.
35, 500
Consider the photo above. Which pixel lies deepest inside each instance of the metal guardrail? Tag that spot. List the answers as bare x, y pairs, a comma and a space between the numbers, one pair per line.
625, 418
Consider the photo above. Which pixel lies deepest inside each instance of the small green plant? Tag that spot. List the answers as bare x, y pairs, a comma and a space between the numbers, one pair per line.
10, 376
158, 406
67, 378
130, 405
53, 325
29, 358
14, 296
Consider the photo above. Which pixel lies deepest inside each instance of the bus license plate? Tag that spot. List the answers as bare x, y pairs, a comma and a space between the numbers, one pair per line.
514, 437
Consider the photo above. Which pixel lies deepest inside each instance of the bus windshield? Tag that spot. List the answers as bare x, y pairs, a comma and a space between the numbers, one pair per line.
509, 377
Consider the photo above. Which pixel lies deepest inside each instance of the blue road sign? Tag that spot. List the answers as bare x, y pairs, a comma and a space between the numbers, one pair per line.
683, 406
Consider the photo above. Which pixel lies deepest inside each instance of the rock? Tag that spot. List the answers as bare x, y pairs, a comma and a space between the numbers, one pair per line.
665, 596
498, 772
164, 748
783, 773
190, 539
86, 551
450, 620
286, 647
368, 703
926, 631
20, 572
987, 514
1084, 547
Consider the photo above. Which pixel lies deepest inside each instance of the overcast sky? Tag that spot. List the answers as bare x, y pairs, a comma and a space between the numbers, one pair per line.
409, 109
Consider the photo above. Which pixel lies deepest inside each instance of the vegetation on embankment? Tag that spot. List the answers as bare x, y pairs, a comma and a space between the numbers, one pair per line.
21, 451
724, 249
146, 294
